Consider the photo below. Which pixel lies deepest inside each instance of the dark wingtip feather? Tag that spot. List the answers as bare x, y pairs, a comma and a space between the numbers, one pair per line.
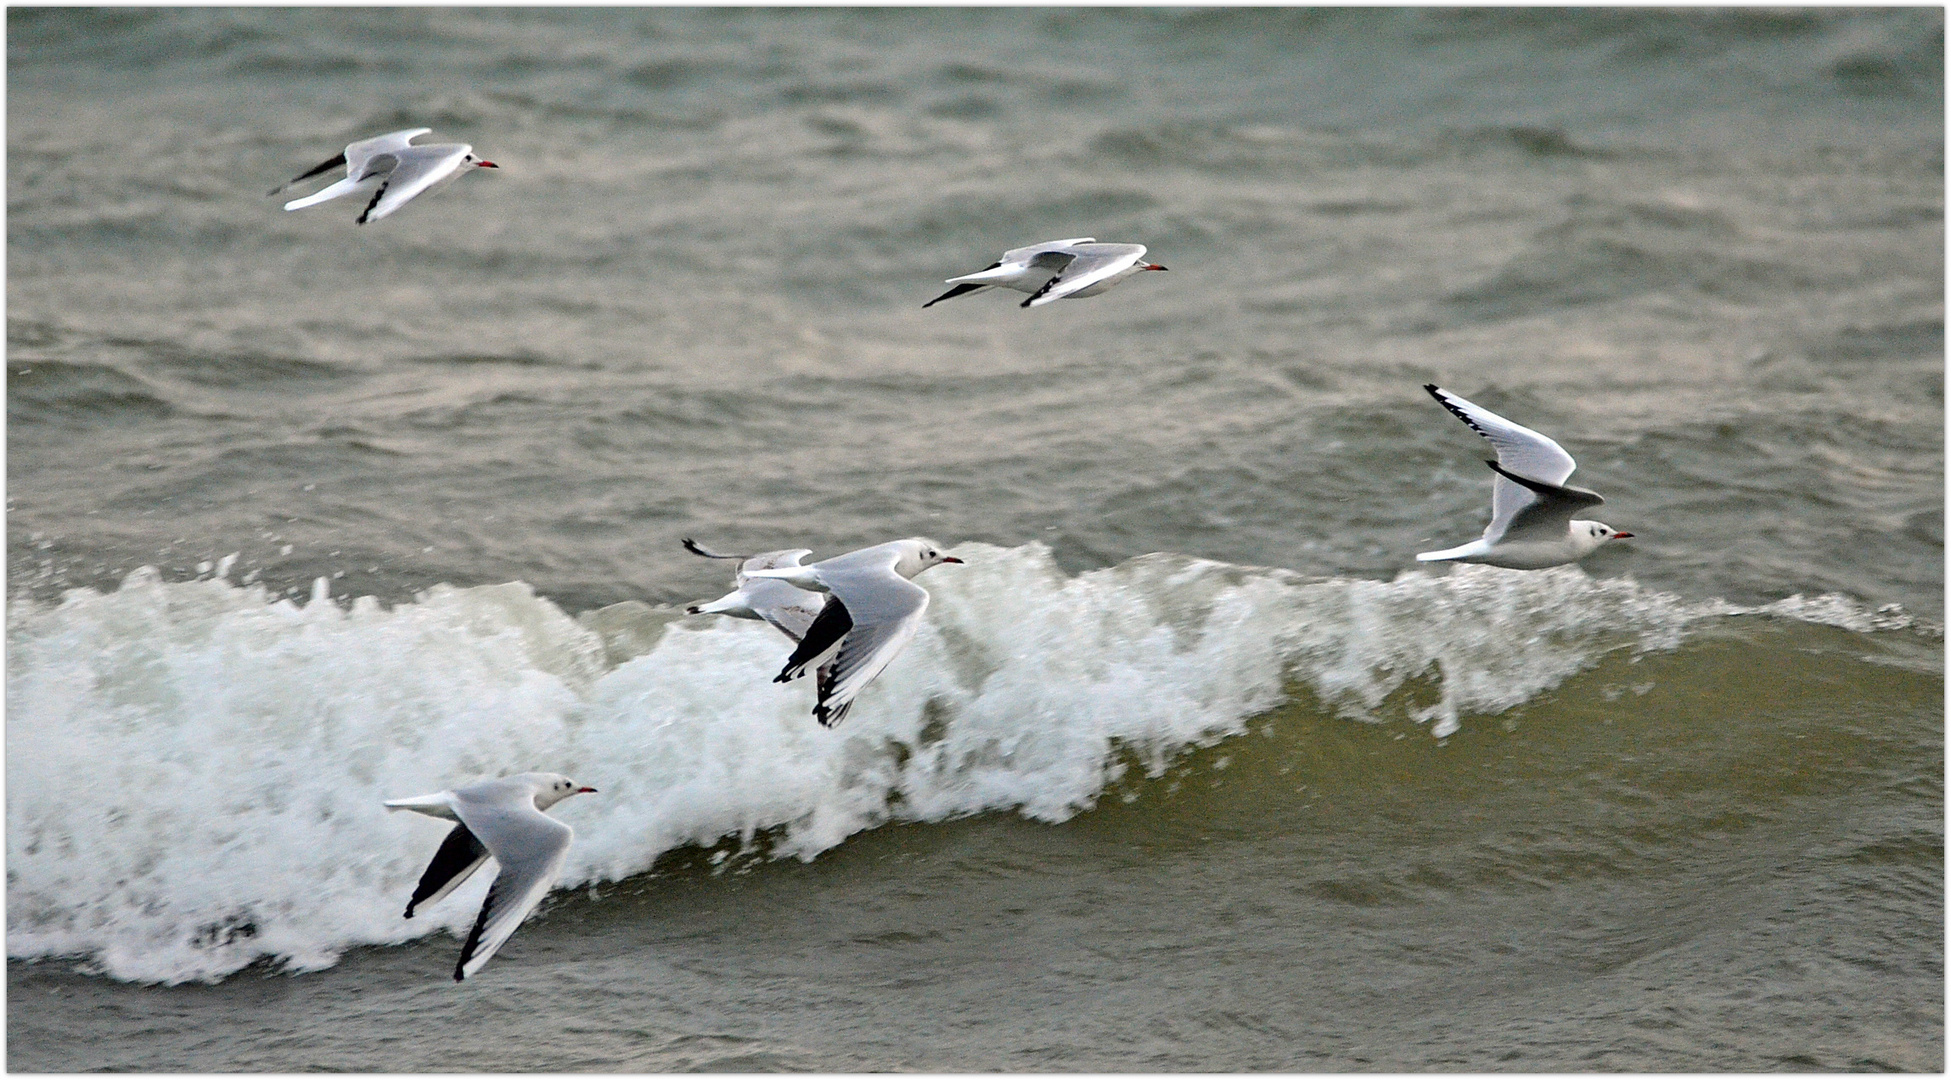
377, 195
965, 287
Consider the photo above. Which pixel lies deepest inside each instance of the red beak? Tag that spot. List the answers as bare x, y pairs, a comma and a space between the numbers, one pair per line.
1155, 266
1620, 536
585, 791
486, 165
950, 558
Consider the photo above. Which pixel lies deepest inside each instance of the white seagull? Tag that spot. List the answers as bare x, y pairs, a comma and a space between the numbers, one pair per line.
502, 818
391, 168
1055, 270
1531, 525
788, 609
871, 613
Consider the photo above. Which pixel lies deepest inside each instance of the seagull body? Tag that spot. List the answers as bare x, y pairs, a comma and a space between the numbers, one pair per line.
790, 610
1531, 525
871, 613
392, 168
503, 819
1056, 270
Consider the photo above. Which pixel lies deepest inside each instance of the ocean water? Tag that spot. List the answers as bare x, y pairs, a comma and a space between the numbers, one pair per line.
1192, 767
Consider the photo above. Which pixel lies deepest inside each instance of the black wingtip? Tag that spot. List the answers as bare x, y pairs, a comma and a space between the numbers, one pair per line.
695, 548
409, 912
377, 195
959, 290
459, 975
693, 610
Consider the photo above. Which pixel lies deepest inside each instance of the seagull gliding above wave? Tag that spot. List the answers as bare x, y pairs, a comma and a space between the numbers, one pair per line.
1531, 525
504, 819
1055, 270
871, 613
391, 168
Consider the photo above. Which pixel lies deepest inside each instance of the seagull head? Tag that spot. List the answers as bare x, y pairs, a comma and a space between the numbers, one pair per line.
552, 788
919, 554
1588, 535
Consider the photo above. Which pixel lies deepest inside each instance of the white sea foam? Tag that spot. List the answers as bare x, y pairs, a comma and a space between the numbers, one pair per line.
194, 770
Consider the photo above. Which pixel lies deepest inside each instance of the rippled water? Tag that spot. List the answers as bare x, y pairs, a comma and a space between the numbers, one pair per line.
1132, 800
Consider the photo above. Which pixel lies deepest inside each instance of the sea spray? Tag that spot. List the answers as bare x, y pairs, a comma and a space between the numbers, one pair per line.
195, 770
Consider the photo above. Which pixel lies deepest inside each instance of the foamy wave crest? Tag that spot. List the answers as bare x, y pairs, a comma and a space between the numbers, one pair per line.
195, 770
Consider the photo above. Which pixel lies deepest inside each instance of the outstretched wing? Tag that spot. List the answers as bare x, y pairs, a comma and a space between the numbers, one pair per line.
819, 640
1092, 265
1549, 509
333, 163
359, 156
1521, 452
1028, 253
791, 611
531, 848
959, 290
419, 168
460, 855
343, 187
886, 610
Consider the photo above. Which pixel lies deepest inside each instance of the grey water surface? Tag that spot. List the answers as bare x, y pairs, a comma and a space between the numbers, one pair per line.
1702, 248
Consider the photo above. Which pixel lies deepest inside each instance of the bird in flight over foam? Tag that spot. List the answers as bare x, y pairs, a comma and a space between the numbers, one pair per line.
502, 819
1057, 270
871, 613
790, 610
390, 167
1531, 525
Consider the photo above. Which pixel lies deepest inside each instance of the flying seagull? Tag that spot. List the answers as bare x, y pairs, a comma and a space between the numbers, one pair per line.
1531, 524
871, 613
391, 168
503, 819
1056, 270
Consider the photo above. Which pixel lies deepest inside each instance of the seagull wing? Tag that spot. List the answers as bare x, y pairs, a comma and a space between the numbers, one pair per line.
419, 168
324, 166
773, 560
1025, 254
358, 155
531, 847
819, 641
886, 611
1092, 265
790, 611
460, 855
341, 188
1520, 451
1547, 514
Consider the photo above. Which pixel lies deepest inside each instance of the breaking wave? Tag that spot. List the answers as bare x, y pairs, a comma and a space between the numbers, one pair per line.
195, 770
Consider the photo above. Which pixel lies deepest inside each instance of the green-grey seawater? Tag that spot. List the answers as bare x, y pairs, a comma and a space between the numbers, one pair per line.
1192, 767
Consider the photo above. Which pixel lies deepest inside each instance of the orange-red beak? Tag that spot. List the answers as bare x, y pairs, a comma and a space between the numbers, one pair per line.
950, 558
486, 165
585, 791
1620, 536
1155, 266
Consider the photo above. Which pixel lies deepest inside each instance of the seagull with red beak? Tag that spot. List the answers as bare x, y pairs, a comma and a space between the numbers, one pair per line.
871, 613
392, 168
1531, 524
1055, 270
